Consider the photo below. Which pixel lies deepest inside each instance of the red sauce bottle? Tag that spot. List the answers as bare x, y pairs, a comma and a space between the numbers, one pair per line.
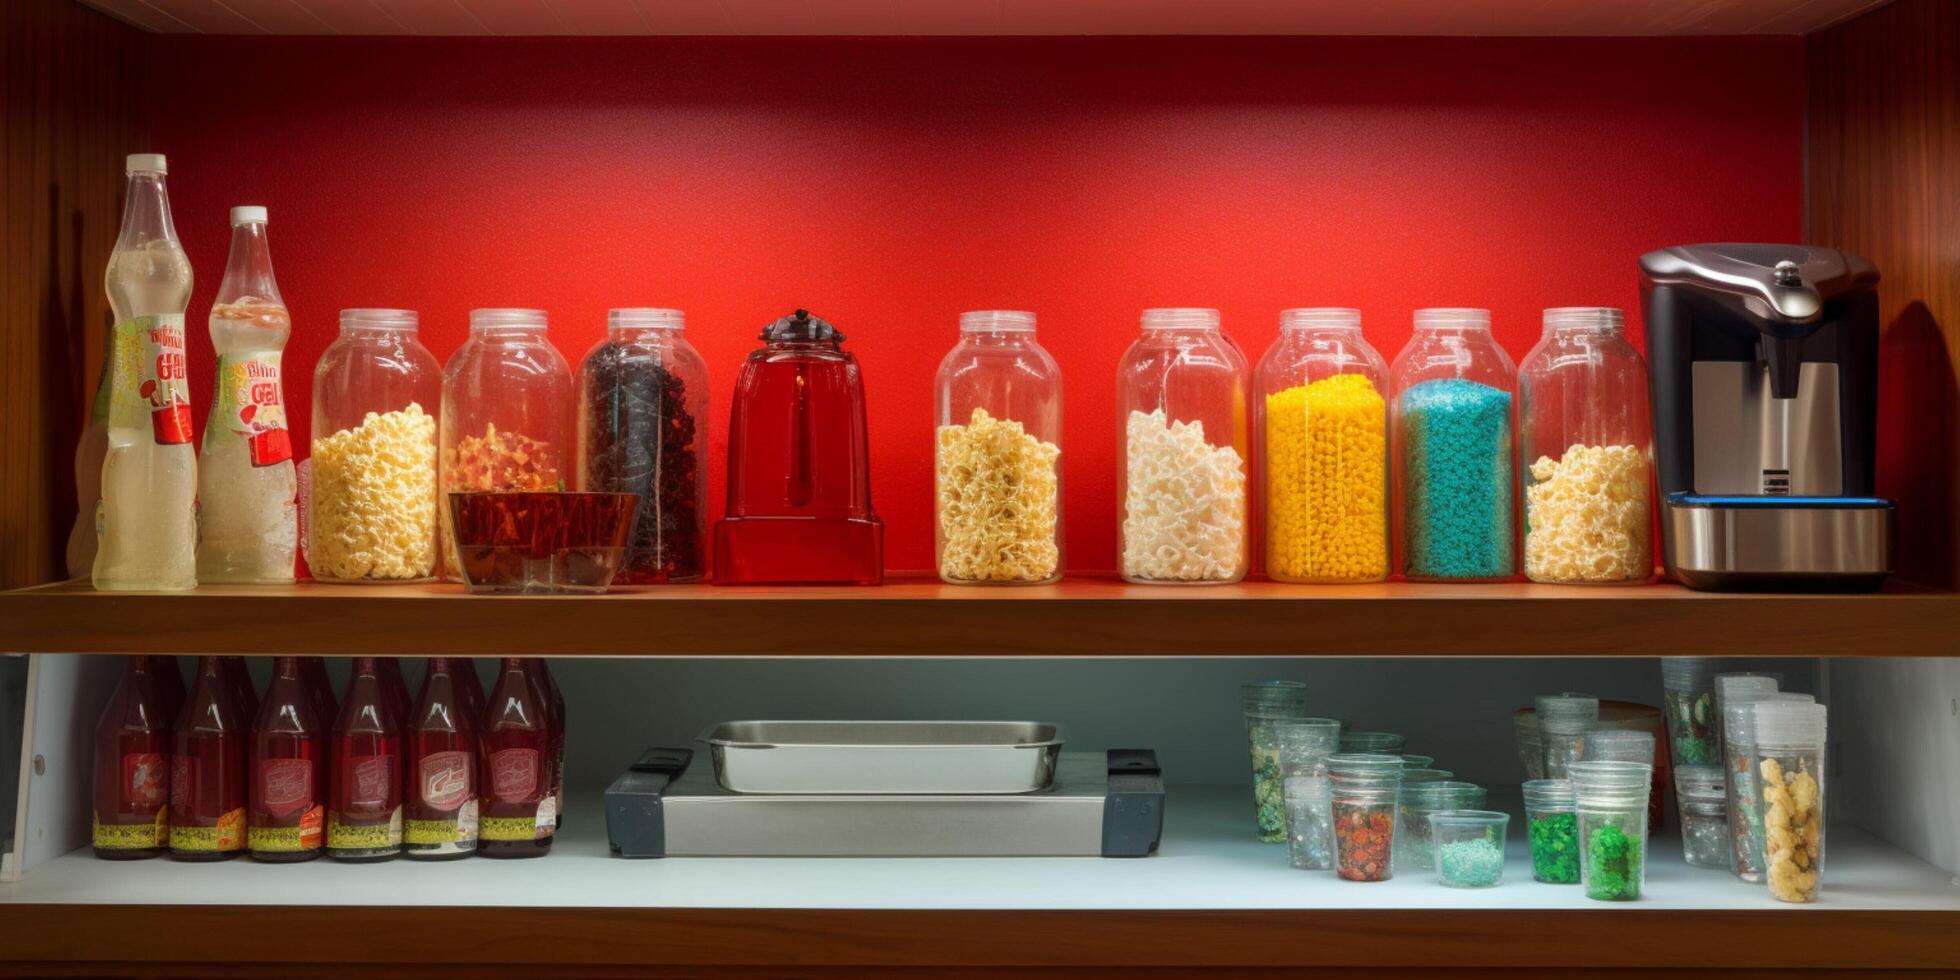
132, 764
514, 766
170, 686
364, 803
242, 689
325, 707
287, 816
207, 769
441, 801
555, 713
469, 687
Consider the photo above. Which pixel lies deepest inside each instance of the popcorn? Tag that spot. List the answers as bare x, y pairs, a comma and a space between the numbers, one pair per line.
1792, 831
374, 499
997, 502
1184, 503
1586, 516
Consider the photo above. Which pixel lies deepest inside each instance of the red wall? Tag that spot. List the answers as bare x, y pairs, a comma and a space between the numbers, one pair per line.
890, 184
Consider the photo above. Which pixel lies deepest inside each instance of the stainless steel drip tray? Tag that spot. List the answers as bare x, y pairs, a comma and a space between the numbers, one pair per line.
884, 757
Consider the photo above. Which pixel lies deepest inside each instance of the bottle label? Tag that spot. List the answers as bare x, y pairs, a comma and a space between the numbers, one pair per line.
306, 836
252, 403
530, 827
371, 782
364, 836
144, 779
547, 822
461, 829
132, 836
444, 780
150, 390
285, 786
514, 775
227, 835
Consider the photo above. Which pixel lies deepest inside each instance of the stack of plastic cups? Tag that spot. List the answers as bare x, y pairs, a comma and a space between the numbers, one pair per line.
1789, 766
1704, 809
1365, 787
1551, 814
1744, 794
1563, 721
1304, 745
1412, 774
1387, 743
1737, 683
1266, 702
1688, 704
1469, 847
1616, 745
1531, 743
1612, 805
1413, 848
1410, 760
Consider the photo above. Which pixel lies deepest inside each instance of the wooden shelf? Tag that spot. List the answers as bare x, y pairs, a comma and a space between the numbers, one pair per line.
1078, 617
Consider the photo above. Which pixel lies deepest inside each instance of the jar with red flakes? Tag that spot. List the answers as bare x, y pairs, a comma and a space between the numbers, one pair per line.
506, 414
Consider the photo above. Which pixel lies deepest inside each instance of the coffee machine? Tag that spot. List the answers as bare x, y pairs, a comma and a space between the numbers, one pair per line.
1763, 371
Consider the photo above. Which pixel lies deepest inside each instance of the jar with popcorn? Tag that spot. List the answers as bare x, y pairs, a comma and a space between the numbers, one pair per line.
1322, 422
997, 457
1789, 769
1586, 448
1182, 496
1453, 417
371, 514
506, 415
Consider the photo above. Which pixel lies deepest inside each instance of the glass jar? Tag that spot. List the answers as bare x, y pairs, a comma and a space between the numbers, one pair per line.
1182, 493
1587, 452
1452, 419
1789, 766
1469, 847
1413, 848
1310, 822
1389, 743
643, 430
506, 415
1551, 814
1323, 431
1704, 816
1563, 721
1265, 703
997, 458
1612, 807
1365, 788
1747, 842
372, 507
1688, 702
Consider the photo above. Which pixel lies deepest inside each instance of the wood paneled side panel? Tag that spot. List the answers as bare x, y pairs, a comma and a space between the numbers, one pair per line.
1884, 165
71, 109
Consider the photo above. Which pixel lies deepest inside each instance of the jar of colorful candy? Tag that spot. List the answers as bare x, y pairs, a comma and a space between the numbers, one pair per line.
1453, 418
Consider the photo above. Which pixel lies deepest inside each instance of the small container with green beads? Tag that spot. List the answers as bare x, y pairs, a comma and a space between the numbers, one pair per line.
1551, 816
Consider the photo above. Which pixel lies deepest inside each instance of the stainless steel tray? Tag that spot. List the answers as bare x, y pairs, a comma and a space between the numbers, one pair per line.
884, 757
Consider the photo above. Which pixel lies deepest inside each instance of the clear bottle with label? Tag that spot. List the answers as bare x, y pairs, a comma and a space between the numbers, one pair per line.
288, 807
132, 765
248, 518
364, 809
442, 797
506, 415
514, 761
148, 515
207, 769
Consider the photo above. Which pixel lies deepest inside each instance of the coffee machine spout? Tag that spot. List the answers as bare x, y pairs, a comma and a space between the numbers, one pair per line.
1783, 357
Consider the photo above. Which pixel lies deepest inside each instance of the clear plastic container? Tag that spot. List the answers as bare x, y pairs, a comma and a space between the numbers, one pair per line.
1531, 742
1310, 822
1612, 808
1323, 441
997, 457
1587, 452
1618, 745
1264, 703
1305, 744
1789, 764
1413, 848
1423, 774
506, 415
1452, 419
1735, 683
1563, 721
1182, 496
1365, 789
1551, 814
643, 430
1469, 847
1742, 788
1701, 796
1411, 760
1389, 743
1688, 701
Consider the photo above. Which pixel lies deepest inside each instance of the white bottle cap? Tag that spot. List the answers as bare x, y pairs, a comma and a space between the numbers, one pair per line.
145, 163
248, 214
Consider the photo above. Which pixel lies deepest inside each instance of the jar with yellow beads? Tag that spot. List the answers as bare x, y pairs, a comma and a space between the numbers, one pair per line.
1323, 439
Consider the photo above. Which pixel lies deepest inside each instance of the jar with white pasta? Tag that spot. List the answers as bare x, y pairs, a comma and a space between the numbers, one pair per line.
1182, 494
371, 512
1586, 451
997, 457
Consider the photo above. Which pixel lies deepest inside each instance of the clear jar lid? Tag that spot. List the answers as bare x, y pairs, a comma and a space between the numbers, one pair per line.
1610, 783
378, 319
1320, 318
1180, 318
645, 318
996, 321
1602, 318
1792, 724
1566, 714
502, 318
1452, 318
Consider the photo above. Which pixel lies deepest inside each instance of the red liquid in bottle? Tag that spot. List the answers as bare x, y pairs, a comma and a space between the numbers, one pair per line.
325, 707
207, 769
132, 764
364, 809
170, 687
469, 687
288, 813
390, 671
555, 713
242, 689
442, 804
514, 766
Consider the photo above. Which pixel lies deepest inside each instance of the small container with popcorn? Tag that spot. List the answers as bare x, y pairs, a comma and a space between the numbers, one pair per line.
1789, 769
506, 415
371, 509
997, 457
1587, 452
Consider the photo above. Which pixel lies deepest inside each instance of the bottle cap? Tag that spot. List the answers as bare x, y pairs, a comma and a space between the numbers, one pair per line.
1687, 673
996, 321
506, 317
1452, 318
1584, 318
150, 163
1320, 318
378, 319
1789, 723
648, 317
248, 214
1180, 318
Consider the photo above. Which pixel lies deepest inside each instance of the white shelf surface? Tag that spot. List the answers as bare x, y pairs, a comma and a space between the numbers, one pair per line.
1209, 860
